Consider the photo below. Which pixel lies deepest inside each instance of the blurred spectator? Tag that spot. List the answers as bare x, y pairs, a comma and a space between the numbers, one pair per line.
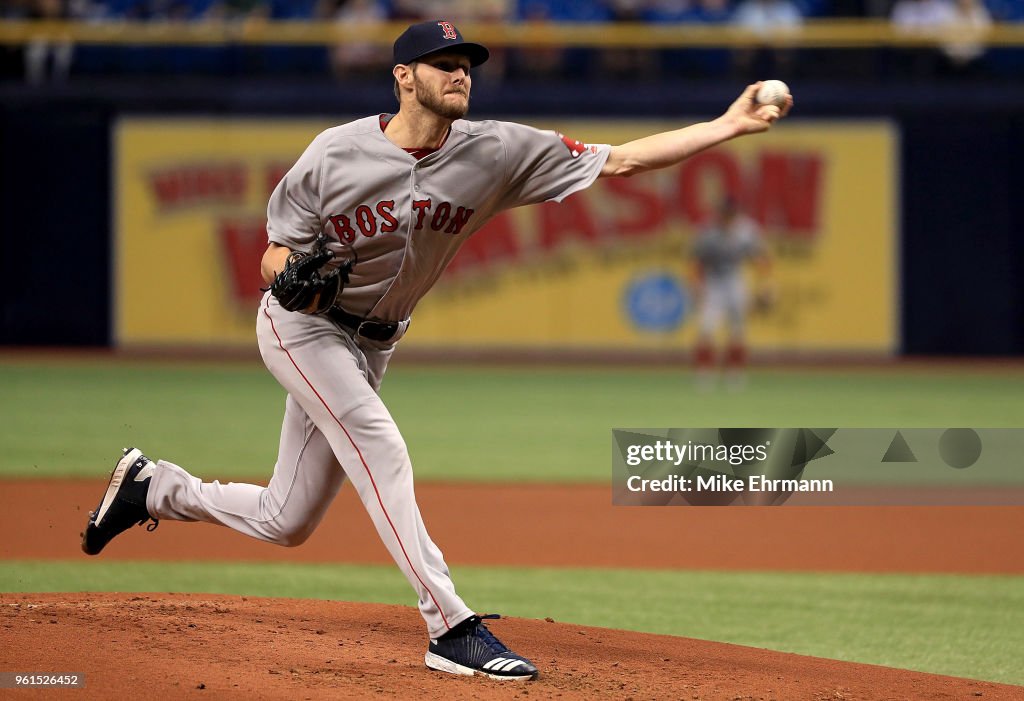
960, 27
45, 59
627, 62
962, 24
765, 17
693, 62
625, 10
407, 11
921, 15
713, 11
454, 10
970, 23
564, 10
88, 10
538, 61
496, 12
355, 58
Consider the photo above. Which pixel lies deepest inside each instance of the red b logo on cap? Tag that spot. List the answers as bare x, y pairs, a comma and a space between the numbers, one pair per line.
449, 30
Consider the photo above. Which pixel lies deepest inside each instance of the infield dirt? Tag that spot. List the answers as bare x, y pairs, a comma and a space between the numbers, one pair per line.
218, 647
229, 647
577, 525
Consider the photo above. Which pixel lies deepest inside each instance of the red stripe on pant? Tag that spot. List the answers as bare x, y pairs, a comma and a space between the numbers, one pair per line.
366, 467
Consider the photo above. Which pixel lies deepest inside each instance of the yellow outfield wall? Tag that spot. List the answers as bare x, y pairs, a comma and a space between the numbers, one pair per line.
607, 269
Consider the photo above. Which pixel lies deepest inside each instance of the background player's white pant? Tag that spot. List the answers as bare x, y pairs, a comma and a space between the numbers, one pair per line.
725, 297
333, 418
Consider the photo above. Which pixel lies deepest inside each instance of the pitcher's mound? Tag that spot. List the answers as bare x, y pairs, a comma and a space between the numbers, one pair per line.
229, 647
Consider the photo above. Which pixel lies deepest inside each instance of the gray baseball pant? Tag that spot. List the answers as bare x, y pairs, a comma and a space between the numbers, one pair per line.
335, 426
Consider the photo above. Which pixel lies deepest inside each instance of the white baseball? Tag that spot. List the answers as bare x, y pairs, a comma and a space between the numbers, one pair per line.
772, 92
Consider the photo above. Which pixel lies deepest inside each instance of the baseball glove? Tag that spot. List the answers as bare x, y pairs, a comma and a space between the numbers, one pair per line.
303, 285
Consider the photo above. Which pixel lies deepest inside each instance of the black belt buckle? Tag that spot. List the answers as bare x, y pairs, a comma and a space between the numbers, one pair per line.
382, 331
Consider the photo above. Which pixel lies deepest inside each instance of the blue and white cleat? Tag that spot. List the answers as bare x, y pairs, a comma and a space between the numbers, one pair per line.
470, 648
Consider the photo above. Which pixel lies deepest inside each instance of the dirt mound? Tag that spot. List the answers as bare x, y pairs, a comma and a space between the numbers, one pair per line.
230, 647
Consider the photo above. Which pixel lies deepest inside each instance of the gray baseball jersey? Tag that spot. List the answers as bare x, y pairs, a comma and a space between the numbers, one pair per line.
405, 218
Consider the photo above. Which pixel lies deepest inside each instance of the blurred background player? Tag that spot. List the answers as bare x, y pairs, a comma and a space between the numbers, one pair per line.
725, 242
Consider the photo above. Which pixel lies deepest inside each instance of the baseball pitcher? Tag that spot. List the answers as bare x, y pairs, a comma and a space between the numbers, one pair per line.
359, 230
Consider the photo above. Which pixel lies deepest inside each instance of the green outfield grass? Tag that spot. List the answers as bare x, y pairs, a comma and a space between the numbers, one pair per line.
69, 418
966, 626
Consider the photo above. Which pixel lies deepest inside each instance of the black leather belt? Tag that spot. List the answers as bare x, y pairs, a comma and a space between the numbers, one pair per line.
382, 331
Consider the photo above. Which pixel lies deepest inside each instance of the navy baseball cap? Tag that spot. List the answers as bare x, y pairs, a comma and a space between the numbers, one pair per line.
436, 35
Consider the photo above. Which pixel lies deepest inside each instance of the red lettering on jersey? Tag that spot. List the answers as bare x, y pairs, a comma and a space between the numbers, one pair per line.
788, 192
369, 220
460, 219
449, 30
421, 207
441, 214
576, 148
568, 220
696, 196
365, 220
384, 212
342, 227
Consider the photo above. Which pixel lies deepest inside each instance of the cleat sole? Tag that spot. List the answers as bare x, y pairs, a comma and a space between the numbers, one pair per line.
443, 664
116, 479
